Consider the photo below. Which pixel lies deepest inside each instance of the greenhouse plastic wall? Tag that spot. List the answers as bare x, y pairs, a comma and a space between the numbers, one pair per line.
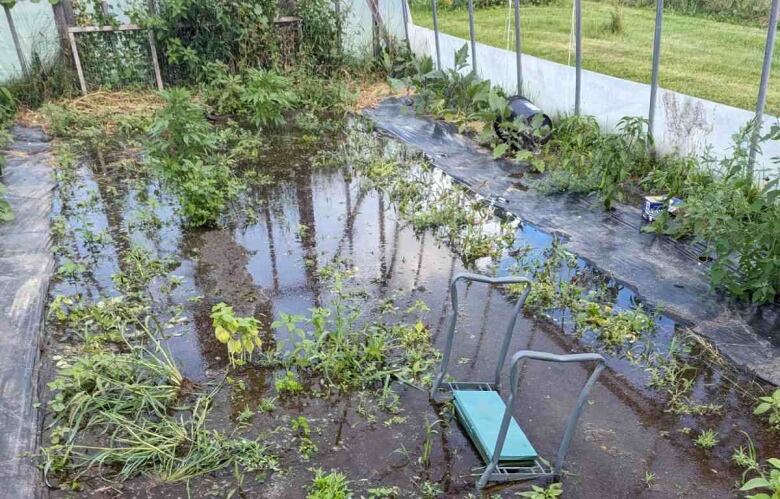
684, 124
37, 33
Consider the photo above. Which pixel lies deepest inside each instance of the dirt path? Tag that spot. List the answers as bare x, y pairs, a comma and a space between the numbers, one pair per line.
26, 265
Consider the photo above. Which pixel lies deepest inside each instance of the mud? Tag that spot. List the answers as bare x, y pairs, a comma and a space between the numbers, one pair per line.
267, 264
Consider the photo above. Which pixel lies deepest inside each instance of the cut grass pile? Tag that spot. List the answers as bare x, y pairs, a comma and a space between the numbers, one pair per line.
714, 60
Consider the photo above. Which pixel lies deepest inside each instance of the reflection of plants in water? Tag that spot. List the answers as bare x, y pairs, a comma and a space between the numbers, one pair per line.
288, 384
430, 201
241, 335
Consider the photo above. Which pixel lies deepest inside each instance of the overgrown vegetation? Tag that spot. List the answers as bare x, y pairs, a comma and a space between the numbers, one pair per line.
727, 208
7, 112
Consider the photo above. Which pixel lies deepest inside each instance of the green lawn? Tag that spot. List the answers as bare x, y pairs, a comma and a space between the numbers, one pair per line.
709, 59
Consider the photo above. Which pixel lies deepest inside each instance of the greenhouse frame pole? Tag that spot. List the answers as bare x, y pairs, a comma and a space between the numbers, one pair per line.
17, 44
762, 89
578, 56
473, 36
436, 33
518, 49
659, 21
405, 8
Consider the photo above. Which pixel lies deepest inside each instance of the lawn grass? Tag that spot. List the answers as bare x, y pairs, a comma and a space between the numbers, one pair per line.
714, 60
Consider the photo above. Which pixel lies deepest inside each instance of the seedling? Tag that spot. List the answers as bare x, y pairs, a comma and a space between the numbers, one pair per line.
536, 492
333, 485
770, 405
240, 334
707, 439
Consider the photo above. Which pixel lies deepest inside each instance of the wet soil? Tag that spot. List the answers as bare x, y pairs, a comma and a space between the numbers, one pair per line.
267, 263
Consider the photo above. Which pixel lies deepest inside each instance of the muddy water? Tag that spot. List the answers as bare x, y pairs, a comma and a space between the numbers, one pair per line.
267, 264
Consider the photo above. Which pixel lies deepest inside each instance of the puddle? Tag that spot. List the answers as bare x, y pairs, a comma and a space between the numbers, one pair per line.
320, 214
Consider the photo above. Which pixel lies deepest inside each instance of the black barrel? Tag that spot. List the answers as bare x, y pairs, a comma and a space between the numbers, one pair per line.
526, 110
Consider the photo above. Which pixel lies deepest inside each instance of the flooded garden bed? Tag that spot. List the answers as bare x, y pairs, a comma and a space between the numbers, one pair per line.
286, 348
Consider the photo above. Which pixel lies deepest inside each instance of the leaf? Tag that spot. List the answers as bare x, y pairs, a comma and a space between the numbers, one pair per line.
755, 483
762, 408
500, 150
461, 56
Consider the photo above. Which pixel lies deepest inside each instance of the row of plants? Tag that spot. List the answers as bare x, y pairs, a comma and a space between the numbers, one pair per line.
732, 211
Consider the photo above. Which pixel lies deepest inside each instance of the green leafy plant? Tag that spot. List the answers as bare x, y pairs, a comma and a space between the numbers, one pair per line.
288, 384
536, 492
240, 334
769, 482
707, 439
184, 152
302, 430
333, 485
770, 406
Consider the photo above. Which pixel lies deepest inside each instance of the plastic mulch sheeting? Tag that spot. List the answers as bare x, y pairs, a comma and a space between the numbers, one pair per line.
661, 271
26, 266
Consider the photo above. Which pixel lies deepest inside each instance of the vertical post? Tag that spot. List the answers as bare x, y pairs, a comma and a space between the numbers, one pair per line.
339, 27
578, 55
375, 26
405, 7
659, 20
436, 33
153, 48
17, 44
768, 53
518, 49
473, 36
77, 62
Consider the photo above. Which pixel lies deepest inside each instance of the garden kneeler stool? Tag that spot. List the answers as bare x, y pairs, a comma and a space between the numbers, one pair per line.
508, 454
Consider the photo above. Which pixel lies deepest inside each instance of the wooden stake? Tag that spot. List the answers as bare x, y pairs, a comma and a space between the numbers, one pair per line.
75, 50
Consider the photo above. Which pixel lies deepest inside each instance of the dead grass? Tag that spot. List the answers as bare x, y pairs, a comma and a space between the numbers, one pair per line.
102, 107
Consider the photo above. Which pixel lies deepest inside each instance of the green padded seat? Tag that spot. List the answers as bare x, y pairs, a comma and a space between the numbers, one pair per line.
481, 413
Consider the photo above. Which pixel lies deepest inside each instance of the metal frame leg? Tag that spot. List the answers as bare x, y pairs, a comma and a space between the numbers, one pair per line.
491, 468
438, 380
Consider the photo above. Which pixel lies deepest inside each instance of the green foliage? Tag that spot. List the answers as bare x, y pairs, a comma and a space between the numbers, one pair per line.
240, 334
768, 482
184, 152
7, 112
333, 485
256, 97
193, 33
536, 492
770, 406
707, 439
737, 219
321, 30
302, 430
452, 94
49, 78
